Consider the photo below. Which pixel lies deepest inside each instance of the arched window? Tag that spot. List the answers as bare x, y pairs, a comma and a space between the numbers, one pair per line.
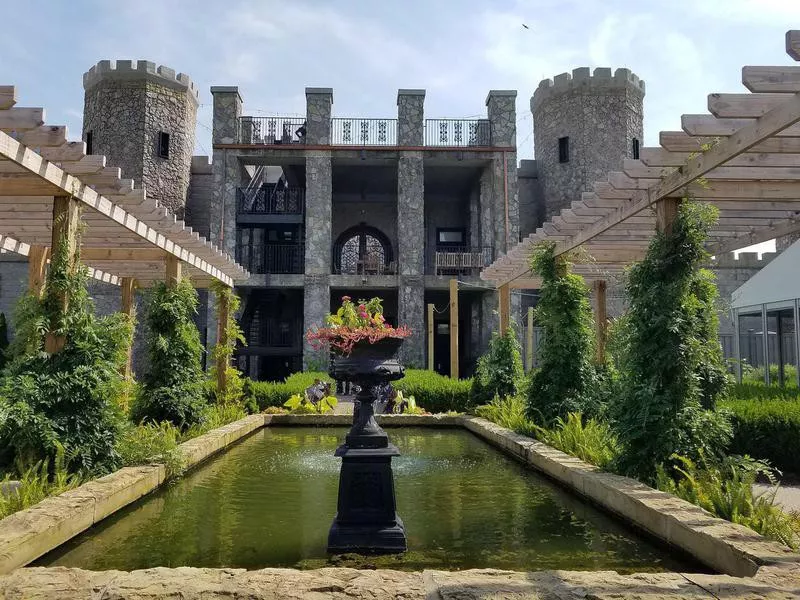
362, 250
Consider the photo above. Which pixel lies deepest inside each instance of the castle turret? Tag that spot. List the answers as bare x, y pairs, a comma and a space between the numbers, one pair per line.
142, 117
584, 125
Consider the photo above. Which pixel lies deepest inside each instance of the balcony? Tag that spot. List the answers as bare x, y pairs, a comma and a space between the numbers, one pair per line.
271, 200
460, 133
271, 130
363, 132
272, 258
461, 260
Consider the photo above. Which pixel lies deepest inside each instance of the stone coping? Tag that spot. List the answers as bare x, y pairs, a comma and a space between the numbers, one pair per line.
754, 567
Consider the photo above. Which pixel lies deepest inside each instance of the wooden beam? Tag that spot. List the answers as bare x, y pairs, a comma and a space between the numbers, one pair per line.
8, 96
173, 270
46, 135
37, 268
771, 79
666, 213
743, 106
431, 333
529, 342
128, 302
66, 220
711, 126
123, 254
69, 151
21, 119
454, 328
222, 339
680, 141
505, 307
600, 321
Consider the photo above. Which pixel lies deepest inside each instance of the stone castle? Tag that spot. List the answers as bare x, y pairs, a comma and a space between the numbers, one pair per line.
322, 206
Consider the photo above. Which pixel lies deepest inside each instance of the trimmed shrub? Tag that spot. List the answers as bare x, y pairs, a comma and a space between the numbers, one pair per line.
767, 429
436, 393
499, 371
762, 391
274, 394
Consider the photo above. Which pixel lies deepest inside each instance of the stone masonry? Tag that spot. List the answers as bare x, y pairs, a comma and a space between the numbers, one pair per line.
601, 115
126, 108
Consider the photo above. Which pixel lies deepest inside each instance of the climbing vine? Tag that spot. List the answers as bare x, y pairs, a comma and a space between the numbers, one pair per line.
234, 382
673, 370
499, 371
566, 380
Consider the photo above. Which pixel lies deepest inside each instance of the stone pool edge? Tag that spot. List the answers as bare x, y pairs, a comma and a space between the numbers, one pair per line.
728, 548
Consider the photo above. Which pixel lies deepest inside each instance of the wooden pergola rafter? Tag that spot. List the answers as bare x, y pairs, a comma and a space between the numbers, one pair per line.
743, 157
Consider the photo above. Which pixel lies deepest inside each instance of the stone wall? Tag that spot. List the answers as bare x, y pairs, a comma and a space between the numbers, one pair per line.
530, 198
601, 114
201, 191
376, 211
126, 107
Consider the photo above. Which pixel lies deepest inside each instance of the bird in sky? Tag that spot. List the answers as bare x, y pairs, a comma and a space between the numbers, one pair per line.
525, 26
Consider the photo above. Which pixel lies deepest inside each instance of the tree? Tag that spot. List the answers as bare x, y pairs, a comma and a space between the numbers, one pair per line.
499, 371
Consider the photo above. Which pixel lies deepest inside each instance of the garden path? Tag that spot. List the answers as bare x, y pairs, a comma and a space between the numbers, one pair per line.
788, 496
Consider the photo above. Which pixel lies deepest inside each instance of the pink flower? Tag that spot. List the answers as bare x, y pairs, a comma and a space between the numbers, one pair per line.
362, 308
345, 298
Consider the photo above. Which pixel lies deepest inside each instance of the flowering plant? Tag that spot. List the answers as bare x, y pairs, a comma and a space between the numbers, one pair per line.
353, 323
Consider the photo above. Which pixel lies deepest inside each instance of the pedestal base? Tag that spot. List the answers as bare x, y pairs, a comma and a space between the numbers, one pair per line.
367, 539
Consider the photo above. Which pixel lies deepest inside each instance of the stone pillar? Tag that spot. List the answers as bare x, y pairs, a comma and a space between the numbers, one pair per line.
318, 116
316, 297
410, 117
411, 225
502, 114
225, 168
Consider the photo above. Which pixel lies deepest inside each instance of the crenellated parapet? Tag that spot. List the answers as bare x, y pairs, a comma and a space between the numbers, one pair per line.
583, 80
122, 70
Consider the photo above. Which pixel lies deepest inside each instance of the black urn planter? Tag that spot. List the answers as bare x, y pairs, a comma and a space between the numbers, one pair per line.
366, 520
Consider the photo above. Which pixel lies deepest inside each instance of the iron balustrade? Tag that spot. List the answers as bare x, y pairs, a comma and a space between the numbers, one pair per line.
271, 130
461, 260
271, 199
263, 259
458, 132
363, 132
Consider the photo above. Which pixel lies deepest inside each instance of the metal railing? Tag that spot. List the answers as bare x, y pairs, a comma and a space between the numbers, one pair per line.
461, 260
272, 258
458, 132
271, 130
271, 200
280, 333
363, 132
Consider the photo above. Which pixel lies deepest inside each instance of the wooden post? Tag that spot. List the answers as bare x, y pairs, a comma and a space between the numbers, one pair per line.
666, 213
454, 329
431, 333
66, 217
128, 290
173, 268
222, 339
529, 342
600, 321
505, 307
37, 268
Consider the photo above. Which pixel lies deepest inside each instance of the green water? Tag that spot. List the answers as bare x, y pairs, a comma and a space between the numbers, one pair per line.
269, 501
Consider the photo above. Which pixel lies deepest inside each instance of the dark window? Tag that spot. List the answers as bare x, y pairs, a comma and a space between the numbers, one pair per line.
446, 236
635, 149
89, 142
362, 250
563, 149
163, 144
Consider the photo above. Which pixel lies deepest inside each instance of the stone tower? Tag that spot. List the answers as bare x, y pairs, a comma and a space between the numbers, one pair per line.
584, 125
142, 117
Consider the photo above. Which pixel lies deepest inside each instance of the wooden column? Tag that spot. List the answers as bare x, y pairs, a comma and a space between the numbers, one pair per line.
128, 290
37, 269
222, 339
173, 268
431, 333
66, 218
505, 307
600, 321
666, 213
454, 328
529, 342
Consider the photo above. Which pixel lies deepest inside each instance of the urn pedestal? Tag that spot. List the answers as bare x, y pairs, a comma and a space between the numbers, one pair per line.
366, 520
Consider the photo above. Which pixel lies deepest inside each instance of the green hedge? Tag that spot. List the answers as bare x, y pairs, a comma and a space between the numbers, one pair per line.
267, 393
436, 393
762, 391
767, 429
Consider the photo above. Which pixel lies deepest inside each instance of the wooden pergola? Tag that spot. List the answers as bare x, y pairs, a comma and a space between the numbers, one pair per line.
50, 187
743, 157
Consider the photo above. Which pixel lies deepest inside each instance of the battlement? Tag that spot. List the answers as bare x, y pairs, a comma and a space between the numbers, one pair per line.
746, 260
122, 70
583, 79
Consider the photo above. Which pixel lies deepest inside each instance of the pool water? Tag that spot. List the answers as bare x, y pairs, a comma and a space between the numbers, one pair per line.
269, 501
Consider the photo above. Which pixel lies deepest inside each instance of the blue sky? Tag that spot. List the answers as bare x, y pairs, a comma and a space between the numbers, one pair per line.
367, 49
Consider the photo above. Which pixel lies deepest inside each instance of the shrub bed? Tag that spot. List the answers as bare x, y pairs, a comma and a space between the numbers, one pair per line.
436, 393
269, 393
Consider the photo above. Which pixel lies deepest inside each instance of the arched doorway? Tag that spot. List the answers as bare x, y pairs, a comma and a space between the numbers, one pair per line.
363, 250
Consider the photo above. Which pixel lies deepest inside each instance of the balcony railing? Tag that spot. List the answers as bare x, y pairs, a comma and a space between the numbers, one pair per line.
272, 258
271, 200
363, 132
271, 130
461, 260
458, 132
